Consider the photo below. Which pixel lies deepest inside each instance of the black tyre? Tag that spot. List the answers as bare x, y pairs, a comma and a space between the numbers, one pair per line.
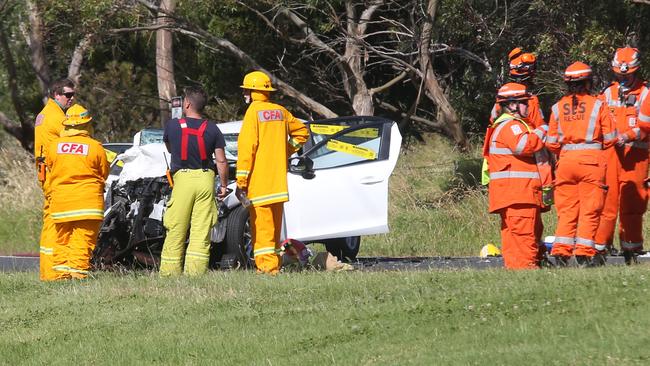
238, 241
345, 249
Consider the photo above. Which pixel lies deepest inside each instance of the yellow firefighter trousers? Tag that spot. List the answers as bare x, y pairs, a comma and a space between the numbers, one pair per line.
47, 244
192, 202
266, 223
76, 241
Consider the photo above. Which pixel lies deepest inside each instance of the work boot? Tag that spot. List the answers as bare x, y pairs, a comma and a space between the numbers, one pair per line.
561, 260
583, 261
630, 257
599, 259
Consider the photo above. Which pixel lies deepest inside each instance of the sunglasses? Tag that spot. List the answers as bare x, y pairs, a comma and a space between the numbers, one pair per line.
69, 94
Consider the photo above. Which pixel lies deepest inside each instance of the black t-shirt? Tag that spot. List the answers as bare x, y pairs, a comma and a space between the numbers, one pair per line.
212, 137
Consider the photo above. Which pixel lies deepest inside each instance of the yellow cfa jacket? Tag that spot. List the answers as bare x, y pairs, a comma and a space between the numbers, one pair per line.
47, 128
269, 135
78, 170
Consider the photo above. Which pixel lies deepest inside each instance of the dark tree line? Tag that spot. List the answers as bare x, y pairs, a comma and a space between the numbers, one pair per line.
431, 65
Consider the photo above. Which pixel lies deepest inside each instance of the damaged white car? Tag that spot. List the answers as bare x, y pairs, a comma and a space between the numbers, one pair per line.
338, 189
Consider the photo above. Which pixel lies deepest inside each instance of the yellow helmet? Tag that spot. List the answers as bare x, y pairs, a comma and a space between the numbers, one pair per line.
490, 250
77, 115
257, 80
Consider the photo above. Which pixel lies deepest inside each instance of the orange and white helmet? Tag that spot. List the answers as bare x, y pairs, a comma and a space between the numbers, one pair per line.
512, 92
522, 64
626, 60
577, 71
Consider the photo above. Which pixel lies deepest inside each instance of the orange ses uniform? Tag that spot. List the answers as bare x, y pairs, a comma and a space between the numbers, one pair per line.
580, 127
47, 127
269, 135
79, 169
515, 188
627, 167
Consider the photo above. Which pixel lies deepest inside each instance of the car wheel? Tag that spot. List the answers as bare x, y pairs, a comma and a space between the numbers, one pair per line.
344, 249
239, 241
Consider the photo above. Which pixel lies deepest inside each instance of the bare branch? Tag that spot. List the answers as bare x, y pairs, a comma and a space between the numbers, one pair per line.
218, 44
14, 130
74, 69
389, 84
367, 14
433, 124
444, 48
146, 28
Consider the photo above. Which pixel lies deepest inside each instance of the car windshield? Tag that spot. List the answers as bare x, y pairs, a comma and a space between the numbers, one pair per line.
150, 136
231, 145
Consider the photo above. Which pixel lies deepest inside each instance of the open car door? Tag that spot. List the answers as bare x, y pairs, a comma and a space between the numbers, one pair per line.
338, 186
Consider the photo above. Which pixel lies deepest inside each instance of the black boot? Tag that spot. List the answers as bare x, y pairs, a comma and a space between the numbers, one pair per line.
630, 257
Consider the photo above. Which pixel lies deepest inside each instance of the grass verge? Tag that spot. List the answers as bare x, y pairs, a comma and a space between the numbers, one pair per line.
560, 317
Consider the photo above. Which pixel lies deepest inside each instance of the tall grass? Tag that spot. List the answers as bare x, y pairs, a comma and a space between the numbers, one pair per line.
493, 317
21, 200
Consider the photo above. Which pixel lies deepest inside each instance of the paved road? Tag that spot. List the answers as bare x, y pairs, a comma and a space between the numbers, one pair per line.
30, 263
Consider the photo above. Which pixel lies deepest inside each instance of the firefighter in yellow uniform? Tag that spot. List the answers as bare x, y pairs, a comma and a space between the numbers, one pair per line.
47, 127
269, 135
78, 170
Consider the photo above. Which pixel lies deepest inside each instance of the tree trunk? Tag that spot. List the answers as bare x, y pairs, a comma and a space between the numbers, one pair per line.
36, 48
24, 133
356, 87
446, 111
74, 68
165, 61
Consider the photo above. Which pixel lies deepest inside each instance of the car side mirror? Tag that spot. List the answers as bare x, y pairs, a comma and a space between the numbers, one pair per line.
302, 165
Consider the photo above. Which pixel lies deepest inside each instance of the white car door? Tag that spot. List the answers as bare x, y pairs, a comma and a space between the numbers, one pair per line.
353, 158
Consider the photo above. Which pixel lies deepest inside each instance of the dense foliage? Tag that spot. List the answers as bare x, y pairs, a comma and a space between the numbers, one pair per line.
469, 42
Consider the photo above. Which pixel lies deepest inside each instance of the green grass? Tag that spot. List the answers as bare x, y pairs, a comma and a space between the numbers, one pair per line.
20, 230
21, 200
493, 317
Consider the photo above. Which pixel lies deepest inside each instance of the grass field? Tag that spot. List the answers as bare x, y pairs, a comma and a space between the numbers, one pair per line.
495, 317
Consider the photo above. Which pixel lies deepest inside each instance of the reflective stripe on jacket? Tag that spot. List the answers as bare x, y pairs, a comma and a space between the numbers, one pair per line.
534, 119
624, 109
78, 170
583, 125
514, 176
269, 135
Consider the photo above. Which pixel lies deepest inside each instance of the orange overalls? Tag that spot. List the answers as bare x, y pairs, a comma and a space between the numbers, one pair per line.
535, 119
78, 169
580, 127
515, 189
627, 168
47, 127
269, 135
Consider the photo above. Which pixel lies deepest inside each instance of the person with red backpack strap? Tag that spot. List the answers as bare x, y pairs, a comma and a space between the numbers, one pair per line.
191, 141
